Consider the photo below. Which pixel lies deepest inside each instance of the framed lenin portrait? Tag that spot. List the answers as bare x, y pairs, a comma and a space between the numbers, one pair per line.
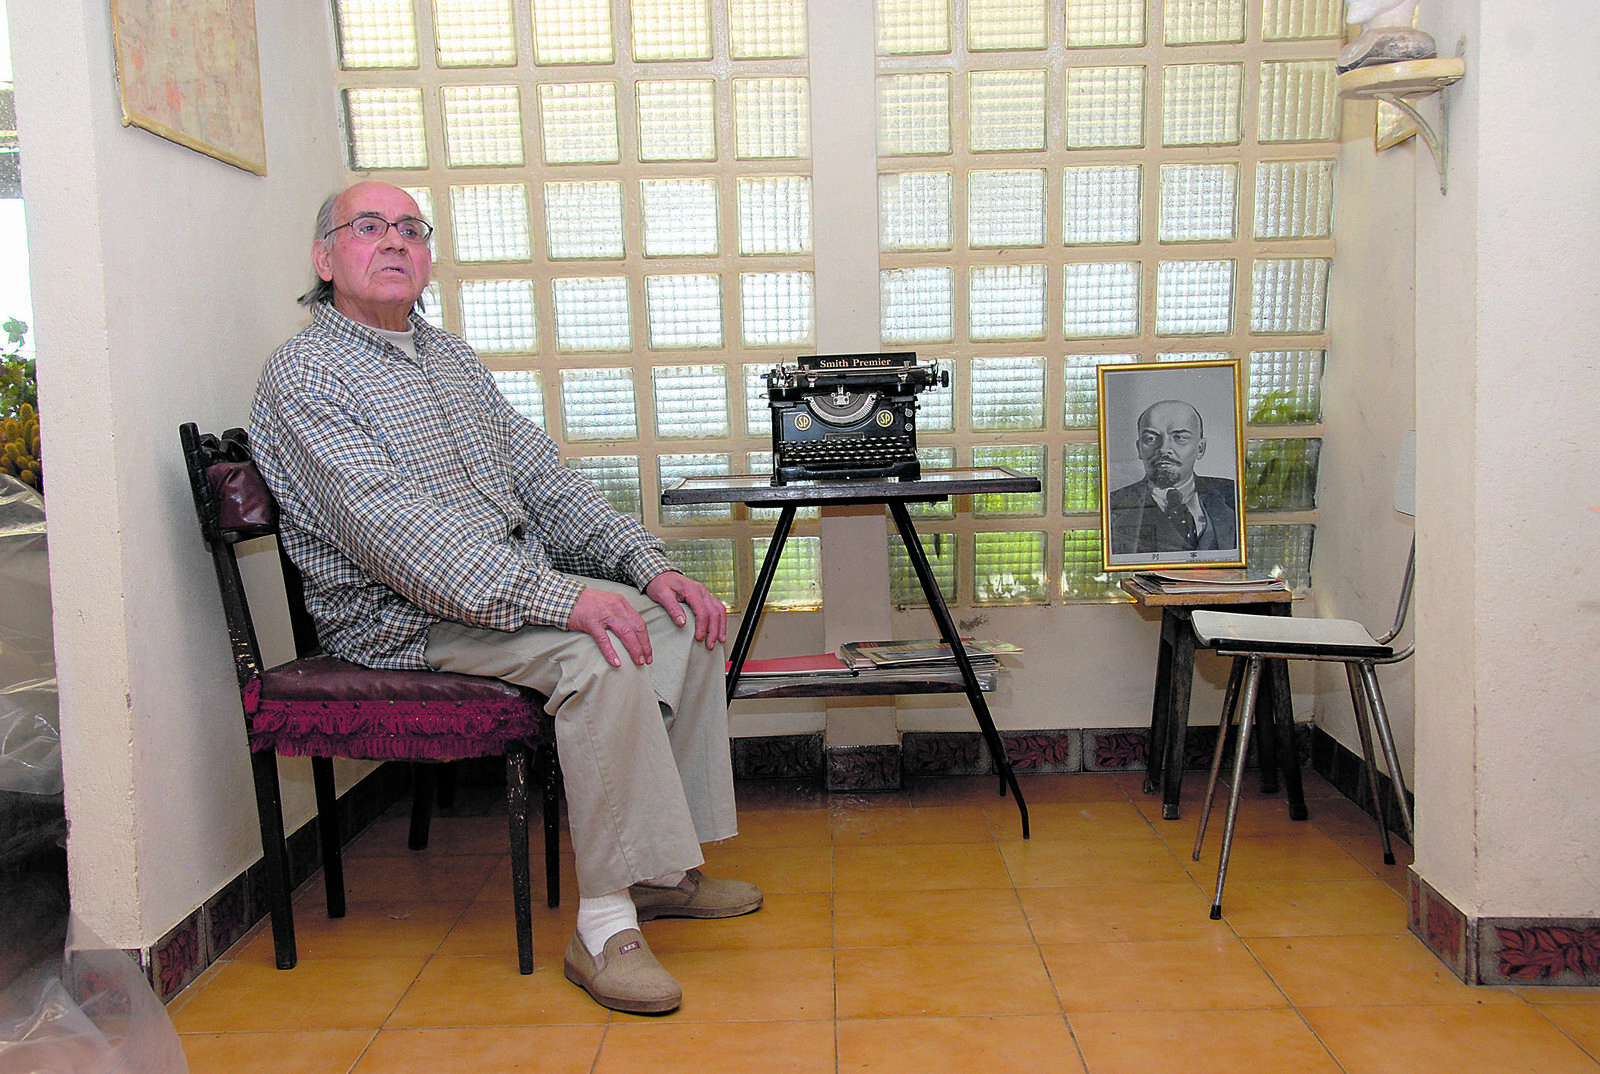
1172, 465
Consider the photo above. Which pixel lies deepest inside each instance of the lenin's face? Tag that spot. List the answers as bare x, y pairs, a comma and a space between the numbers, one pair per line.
1170, 443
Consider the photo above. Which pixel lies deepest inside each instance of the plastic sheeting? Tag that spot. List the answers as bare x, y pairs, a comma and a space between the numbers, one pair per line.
30, 725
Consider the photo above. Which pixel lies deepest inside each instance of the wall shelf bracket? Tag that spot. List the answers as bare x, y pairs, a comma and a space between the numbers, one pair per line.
1401, 85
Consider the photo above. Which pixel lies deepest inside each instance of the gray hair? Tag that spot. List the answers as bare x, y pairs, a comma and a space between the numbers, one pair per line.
322, 290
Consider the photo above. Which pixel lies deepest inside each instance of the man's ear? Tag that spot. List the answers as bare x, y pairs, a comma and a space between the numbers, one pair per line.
322, 259
1199, 451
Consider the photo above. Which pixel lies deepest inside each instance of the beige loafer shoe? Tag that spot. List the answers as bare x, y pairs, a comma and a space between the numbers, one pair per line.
624, 976
696, 895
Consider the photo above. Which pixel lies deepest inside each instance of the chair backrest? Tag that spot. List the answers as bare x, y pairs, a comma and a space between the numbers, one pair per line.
1405, 501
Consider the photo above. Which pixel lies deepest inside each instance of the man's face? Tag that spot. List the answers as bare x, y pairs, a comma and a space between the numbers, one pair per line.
376, 283
1170, 443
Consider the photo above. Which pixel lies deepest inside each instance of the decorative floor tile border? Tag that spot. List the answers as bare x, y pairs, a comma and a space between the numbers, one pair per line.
1554, 952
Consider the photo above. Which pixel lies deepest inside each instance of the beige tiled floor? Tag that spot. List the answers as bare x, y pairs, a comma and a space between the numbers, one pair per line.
907, 932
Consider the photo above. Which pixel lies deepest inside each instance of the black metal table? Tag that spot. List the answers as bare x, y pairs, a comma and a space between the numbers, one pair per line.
757, 490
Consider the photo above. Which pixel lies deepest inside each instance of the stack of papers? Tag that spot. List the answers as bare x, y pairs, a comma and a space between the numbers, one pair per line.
863, 655
1208, 580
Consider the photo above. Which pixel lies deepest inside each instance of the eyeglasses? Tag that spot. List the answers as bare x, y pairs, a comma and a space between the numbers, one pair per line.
370, 227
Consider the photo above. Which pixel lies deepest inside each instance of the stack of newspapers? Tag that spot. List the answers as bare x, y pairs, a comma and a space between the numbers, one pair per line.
867, 662
1208, 580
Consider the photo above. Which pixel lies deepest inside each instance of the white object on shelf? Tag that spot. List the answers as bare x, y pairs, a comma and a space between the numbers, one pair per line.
1399, 84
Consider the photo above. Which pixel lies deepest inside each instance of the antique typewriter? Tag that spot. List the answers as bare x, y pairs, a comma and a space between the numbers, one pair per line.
842, 416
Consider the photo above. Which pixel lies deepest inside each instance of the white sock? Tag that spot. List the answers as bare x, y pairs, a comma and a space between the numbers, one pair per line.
666, 880
603, 916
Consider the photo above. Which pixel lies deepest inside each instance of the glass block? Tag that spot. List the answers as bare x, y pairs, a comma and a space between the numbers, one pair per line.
757, 410
385, 127
1100, 298
1199, 202
1007, 393
432, 303
618, 479
684, 311
680, 217
1194, 298
572, 31
1006, 302
914, 211
475, 33
1082, 576
583, 220
771, 118
376, 33
1299, 20
1104, 23
1281, 475
760, 462
797, 583
1282, 550
497, 316
591, 314
677, 120
917, 304
1294, 199
490, 222
671, 30
1289, 294
1005, 208
942, 457
524, 390
1080, 479
774, 214
1029, 459
1200, 104
913, 114
1197, 22
423, 196
1081, 402
936, 408
941, 550
766, 29
705, 464
1105, 107
578, 122
1285, 387
1009, 568
1101, 204
1298, 102
776, 308
1005, 110
482, 125
1005, 24
908, 27
598, 404
710, 561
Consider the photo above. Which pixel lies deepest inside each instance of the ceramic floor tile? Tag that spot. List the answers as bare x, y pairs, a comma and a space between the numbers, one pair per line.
937, 824
317, 994
1055, 863
330, 1051
669, 1044
1079, 787
389, 836
541, 1049
917, 982
1540, 996
488, 927
775, 870
1312, 907
928, 918
1306, 855
1105, 913
781, 828
1216, 973
923, 866
784, 920
461, 992
1339, 971
1506, 1038
368, 929
750, 986
1072, 821
420, 877
497, 887
1037, 1044
1200, 1042
1580, 1021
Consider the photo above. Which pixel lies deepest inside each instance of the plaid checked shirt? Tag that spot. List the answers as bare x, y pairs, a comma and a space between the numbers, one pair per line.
411, 492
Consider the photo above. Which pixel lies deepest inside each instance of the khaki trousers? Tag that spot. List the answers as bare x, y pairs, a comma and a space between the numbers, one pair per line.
644, 750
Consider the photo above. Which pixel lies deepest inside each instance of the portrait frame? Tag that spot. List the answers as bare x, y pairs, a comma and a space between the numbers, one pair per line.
1135, 533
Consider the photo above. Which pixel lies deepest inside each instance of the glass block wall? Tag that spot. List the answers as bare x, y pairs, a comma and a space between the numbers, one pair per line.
623, 198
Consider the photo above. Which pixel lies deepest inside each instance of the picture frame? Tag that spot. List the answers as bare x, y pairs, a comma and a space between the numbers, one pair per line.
1166, 423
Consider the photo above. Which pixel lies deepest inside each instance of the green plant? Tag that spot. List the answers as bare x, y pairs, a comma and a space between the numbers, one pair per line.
1280, 474
19, 409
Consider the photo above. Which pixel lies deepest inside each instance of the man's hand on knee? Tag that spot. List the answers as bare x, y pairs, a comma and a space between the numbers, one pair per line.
672, 591
601, 614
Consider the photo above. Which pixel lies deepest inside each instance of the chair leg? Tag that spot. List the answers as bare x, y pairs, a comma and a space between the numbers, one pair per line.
549, 769
274, 856
1229, 703
328, 832
1380, 720
1358, 699
1247, 704
424, 784
517, 813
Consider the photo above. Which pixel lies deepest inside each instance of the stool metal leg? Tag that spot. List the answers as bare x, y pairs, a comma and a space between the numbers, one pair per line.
1380, 721
1358, 698
1229, 703
1247, 705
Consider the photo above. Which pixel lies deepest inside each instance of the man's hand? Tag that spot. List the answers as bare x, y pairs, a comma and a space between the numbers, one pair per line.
600, 614
672, 591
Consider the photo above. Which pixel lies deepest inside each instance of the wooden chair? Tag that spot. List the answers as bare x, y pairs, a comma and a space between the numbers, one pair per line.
321, 707
1253, 639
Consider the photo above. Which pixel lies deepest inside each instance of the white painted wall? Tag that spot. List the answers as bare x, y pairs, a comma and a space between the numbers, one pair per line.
161, 280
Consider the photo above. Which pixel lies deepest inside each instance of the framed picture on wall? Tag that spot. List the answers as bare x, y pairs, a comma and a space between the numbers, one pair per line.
1171, 465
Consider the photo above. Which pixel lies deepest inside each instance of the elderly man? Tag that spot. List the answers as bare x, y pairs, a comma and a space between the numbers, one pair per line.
437, 528
1172, 509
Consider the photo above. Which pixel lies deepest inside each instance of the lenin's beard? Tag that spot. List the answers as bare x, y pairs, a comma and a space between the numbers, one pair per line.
1163, 471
